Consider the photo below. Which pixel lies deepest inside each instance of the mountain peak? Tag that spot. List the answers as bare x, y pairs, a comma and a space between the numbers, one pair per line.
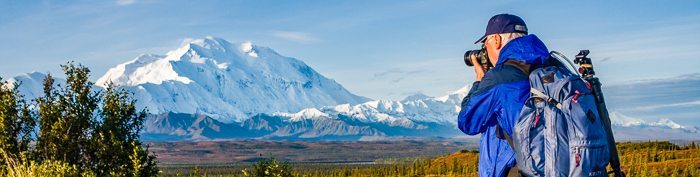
160, 67
208, 43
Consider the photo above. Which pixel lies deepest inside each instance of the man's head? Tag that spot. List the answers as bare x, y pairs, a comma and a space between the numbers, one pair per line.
501, 29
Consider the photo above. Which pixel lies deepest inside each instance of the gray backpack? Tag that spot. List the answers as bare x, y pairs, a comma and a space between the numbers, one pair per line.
559, 131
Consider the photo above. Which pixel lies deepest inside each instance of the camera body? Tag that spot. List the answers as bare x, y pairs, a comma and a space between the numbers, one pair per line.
481, 56
586, 66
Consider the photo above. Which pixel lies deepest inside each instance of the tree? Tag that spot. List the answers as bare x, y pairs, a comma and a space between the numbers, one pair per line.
66, 117
48, 115
117, 148
93, 130
16, 122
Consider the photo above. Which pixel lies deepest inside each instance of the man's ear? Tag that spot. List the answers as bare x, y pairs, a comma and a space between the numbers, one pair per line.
497, 40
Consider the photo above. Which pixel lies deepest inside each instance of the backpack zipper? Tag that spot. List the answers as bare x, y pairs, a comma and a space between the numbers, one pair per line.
577, 156
537, 118
576, 95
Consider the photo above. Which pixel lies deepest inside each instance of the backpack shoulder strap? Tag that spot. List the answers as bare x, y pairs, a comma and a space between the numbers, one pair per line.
502, 134
524, 67
539, 94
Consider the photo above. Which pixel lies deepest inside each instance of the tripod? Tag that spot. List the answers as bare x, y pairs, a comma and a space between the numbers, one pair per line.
586, 70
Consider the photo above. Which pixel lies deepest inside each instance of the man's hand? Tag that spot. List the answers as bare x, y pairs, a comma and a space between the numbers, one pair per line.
478, 69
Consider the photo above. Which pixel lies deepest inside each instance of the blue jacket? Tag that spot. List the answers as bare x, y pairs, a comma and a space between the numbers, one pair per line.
498, 99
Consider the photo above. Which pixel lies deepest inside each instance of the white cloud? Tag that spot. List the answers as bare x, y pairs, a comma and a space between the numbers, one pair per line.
125, 2
301, 37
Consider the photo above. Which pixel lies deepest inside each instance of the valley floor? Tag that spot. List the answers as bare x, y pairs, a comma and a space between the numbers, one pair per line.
246, 151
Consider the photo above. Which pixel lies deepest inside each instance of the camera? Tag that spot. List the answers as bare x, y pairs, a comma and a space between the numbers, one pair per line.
480, 55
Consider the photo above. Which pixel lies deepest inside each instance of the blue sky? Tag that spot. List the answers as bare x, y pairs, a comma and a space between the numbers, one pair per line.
378, 49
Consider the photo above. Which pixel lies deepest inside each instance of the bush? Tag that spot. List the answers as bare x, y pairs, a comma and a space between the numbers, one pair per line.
23, 167
269, 168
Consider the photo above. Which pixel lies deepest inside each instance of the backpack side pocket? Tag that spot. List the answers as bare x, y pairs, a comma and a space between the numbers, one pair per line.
528, 139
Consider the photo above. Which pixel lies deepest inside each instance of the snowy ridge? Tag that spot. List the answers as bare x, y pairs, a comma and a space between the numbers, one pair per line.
618, 119
438, 110
441, 110
141, 70
310, 113
32, 84
228, 81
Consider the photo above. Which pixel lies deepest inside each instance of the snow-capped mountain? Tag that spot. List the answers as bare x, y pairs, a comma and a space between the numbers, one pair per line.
628, 128
229, 82
620, 120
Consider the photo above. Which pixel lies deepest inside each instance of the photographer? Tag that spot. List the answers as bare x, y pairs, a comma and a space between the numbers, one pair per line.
492, 105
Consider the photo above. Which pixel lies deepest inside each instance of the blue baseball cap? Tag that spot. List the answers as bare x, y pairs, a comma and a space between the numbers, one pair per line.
504, 23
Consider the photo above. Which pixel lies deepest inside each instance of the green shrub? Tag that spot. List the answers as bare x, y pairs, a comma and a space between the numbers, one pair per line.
23, 167
269, 168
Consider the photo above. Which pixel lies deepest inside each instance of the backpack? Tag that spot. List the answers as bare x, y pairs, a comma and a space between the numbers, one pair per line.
559, 131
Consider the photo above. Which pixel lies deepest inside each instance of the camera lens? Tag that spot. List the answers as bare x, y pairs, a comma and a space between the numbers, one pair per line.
479, 55
468, 57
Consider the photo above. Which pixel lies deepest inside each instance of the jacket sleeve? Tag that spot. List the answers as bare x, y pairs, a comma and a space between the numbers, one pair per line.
498, 98
477, 109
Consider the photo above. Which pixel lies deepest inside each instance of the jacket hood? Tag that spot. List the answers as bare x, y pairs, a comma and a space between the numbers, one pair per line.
528, 49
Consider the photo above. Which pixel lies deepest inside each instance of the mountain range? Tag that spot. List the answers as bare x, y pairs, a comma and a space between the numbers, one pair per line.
210, 89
